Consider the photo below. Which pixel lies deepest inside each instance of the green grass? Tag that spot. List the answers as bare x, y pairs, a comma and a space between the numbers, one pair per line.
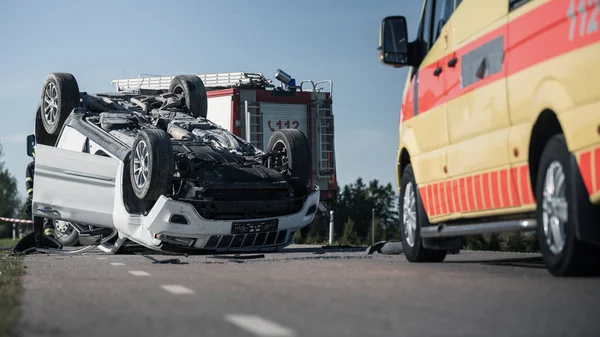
11, 273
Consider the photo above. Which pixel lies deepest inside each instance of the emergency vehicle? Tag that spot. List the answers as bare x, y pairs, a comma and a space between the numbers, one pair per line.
250, 106
500, 126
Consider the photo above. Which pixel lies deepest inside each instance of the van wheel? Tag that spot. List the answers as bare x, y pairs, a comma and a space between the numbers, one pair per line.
412, 219
192, 88
291, 156
152, 164
60, 95
557, 215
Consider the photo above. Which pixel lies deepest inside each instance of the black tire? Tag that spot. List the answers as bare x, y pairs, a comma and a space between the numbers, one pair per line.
416, 252
62, 90
160, 164
296, 150
576, 258
192, 88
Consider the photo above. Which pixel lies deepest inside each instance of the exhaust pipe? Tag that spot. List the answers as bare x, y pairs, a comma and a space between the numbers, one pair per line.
442, 231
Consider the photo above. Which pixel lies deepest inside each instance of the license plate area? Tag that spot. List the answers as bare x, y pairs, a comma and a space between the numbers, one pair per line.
253, 227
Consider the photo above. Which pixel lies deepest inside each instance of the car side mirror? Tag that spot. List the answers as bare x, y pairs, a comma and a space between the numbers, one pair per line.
30, 145
393, 41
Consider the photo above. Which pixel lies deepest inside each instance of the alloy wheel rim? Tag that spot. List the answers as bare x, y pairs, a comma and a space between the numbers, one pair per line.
141, 164
555, 207
51, 106
409, 214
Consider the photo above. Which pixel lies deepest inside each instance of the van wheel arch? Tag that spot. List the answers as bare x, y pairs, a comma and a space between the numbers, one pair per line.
545, 127
404, 161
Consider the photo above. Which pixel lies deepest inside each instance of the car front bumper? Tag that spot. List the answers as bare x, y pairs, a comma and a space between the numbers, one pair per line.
164, 228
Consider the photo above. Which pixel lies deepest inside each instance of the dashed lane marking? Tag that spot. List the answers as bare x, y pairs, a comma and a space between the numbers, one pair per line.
177, 289
138, 273
260, 326
117, 264
101, 258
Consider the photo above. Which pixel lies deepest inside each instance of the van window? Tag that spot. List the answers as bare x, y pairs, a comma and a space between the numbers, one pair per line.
443, 11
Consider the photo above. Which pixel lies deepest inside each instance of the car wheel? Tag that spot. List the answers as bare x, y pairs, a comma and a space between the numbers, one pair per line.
412, 219
65, 233
557, 214
60, 96
291, 156
152, 164
192, 88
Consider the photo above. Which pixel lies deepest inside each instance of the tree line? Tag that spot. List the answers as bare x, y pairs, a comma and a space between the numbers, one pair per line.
353, 217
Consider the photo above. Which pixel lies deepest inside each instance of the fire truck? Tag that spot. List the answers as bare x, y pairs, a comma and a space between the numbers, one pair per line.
252, 107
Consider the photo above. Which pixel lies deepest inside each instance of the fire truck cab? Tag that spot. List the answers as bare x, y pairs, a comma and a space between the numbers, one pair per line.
500, 126
252, 107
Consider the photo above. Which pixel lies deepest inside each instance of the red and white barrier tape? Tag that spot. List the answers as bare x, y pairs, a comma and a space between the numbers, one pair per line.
15, 220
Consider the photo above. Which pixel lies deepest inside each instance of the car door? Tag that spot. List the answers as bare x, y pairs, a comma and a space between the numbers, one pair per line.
478, 119
72, 185
429, 124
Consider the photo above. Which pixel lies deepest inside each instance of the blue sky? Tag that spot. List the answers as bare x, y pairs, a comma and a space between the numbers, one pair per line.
99, 41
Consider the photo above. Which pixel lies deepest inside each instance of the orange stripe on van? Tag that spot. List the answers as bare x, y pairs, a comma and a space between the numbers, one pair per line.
597, 168
514, 197
449, 197
478, 199
494, 189
456, 195
585, 166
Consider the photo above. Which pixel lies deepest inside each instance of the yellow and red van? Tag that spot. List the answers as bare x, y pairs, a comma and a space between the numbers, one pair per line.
500, 126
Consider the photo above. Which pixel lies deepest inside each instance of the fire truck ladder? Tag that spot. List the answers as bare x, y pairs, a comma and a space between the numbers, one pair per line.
218, 80
325, 130
253, 124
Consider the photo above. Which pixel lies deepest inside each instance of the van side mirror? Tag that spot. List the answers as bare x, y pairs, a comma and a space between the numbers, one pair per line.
393, 41
30, 145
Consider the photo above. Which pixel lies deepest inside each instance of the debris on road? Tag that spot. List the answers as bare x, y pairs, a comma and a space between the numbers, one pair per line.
170, 261
239, 256
386, 248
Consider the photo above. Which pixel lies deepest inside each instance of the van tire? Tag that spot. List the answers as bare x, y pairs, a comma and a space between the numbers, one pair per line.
192, 88
575, 258
152, 164
60, 95
415, 252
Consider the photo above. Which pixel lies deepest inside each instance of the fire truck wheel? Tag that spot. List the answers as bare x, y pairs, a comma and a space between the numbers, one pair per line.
412, 219
192, 88
60, 95
291, 156
562, 205
152, 164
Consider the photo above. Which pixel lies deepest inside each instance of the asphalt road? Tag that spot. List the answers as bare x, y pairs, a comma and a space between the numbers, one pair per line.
299, 293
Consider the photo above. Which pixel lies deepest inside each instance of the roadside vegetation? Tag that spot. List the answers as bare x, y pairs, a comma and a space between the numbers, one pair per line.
11, 273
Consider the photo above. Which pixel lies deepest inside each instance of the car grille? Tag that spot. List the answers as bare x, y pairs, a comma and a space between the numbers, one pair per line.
249, 240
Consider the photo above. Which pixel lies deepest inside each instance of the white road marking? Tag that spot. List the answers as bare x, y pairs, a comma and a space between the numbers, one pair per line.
176, 289
138, 273
101, 258
117, 264
260, 326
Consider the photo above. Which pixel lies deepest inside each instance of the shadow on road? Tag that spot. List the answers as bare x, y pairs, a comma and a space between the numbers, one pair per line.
526, 262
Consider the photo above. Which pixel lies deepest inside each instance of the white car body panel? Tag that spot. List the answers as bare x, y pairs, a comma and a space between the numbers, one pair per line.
86, 184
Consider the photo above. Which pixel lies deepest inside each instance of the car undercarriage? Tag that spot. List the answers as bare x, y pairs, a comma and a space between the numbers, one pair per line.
169, 154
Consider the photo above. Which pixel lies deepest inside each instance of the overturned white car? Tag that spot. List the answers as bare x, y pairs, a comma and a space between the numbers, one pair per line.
155, 170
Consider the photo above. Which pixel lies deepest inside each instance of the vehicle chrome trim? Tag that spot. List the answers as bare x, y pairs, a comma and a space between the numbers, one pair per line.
480, 228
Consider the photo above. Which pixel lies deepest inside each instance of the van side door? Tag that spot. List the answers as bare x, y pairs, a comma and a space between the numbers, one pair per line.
478, 119
424, 110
